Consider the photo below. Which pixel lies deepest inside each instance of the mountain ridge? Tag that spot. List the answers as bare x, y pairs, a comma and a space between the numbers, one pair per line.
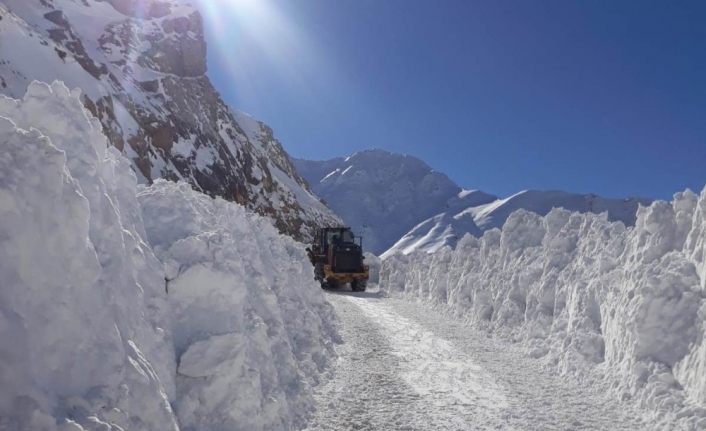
375, 188
443, 218
141, 67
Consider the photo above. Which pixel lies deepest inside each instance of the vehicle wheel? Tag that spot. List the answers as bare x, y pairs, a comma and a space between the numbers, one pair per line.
332, 283
358, 285
319, 272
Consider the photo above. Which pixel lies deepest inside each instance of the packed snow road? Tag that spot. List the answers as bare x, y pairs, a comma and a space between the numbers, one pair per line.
403, 366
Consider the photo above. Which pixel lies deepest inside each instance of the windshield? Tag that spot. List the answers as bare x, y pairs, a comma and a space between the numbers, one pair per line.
339, 236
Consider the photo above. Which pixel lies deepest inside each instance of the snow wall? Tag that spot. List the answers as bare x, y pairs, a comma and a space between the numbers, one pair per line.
83, 319
228, 332
374, 263
584, 293
251, 329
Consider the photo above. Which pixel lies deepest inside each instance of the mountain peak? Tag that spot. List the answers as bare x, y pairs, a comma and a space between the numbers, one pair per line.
379, 193
403, 205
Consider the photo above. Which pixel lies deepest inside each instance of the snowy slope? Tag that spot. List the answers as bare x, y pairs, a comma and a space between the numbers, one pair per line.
447, 228
443, 229
402, 205
496, 213
283, 173
127, 307
381, 194
585, 293
141, 67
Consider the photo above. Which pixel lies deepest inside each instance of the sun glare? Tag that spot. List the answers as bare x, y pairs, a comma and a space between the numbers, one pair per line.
260, 28
246, 7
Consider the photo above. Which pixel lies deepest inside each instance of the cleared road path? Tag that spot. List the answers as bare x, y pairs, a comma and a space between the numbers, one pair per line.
403, 366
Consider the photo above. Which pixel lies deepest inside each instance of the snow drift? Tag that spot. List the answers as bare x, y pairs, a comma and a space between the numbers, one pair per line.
251, 329
462, 216
83, 322
228, 331
374, 264
587, 294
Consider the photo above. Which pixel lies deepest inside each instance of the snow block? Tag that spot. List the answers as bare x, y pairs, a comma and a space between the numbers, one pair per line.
252, 330
82, 305
580, 291
217, 314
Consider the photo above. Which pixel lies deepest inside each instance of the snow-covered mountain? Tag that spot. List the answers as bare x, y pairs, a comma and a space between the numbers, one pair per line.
449, 226
402, 205
141, 67
383, 195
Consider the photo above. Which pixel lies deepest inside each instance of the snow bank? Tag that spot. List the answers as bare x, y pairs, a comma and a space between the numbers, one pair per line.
83, 324
374, 264
587, 295
227, 331
251, 329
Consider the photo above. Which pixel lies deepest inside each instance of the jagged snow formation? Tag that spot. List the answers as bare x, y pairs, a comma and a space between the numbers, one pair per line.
215, 323
83, 319
586, 293
252, 331
446, 228
141, 67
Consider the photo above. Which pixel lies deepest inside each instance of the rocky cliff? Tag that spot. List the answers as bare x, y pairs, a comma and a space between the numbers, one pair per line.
141, 67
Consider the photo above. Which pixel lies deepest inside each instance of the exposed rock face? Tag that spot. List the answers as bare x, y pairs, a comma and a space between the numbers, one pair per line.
141, 66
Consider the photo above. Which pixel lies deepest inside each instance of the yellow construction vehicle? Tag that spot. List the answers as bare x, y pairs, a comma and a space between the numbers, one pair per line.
337, 256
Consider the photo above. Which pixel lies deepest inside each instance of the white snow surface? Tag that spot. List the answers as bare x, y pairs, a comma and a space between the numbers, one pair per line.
374, 264
402, 205
436, 232
432, 365
446, 228
251, 329
408, 366
132, 308
83, 320
586, 294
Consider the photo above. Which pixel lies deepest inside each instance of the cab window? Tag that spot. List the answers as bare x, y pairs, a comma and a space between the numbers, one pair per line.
347, 236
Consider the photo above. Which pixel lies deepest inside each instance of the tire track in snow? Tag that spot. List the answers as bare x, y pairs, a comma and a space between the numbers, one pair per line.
432, 366
392, 374
404, 366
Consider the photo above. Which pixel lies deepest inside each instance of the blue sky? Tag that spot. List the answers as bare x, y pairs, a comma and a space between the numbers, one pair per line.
586, 96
